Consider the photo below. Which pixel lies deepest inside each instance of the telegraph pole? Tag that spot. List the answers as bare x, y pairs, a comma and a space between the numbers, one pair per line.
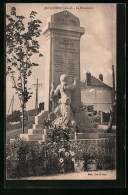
36, 101
113, 108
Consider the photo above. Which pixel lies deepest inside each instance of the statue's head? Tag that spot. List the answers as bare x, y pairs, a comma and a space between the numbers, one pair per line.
63, 78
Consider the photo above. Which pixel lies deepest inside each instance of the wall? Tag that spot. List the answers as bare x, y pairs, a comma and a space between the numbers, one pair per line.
100, 97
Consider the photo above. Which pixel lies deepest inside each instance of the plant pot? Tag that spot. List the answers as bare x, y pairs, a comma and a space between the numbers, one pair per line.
106, 166
92, 165
79, 166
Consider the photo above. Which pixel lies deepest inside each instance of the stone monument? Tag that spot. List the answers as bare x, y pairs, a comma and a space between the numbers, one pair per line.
62, 34
62, 57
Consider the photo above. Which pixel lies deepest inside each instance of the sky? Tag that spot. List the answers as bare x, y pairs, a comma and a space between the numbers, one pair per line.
97, 45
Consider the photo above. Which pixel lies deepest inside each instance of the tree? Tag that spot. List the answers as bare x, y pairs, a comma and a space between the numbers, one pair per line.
21, 45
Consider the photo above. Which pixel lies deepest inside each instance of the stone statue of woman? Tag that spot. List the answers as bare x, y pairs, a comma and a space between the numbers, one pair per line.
63, 110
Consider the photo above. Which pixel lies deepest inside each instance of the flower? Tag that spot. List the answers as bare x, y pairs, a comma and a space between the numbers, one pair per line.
63, 149
72, 154
73, 159
61, 160
60, 150
66, 154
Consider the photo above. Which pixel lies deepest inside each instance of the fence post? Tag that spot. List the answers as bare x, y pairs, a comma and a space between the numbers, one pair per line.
101, 117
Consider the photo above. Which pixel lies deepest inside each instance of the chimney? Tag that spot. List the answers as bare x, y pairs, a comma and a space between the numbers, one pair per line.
101, 77
88, 78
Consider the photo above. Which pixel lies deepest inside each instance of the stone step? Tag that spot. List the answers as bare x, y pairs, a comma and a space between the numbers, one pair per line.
38, 126
100, 129
45, 131
92, 131
39, 131
42, 137
33, 137
35, 131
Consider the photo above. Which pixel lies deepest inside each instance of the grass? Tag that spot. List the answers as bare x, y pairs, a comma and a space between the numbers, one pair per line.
12, 132
12, 127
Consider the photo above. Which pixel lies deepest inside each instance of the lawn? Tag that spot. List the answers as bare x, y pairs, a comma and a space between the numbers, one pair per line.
14, 131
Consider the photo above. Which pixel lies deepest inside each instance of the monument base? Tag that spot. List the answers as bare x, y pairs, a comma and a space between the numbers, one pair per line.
42, 134
83, 121
86, 129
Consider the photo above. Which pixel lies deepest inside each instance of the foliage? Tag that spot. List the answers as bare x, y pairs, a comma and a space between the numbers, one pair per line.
106, 159
58, 135
96, 118
21, 45
26, 159
89, 108
59, 158
15, 116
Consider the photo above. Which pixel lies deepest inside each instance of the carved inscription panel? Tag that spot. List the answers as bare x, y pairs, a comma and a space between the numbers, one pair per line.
66, 58
66, 54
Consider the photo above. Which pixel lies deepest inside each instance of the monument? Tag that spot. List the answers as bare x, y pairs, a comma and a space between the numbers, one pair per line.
62, 57
62, 34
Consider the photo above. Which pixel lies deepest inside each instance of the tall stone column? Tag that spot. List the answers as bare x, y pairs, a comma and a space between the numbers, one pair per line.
62, 34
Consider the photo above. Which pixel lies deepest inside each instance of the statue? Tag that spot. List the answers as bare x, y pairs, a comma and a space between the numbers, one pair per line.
63, 111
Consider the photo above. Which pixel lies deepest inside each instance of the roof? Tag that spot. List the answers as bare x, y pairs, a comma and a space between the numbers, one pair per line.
94, 83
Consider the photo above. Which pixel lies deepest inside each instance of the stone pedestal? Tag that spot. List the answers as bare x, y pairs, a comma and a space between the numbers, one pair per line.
62, 34
41, 134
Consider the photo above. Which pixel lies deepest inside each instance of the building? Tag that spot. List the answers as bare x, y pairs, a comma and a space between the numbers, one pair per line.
95, 92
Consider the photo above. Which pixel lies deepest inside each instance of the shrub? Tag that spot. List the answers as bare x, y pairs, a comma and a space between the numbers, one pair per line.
26, 159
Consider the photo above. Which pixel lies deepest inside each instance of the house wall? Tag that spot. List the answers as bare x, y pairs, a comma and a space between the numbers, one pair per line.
100, 97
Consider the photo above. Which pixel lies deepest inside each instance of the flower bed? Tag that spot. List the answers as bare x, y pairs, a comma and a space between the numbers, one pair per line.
26, 159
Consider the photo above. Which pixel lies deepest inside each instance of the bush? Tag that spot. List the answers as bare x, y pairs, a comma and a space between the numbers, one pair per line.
26, 159
23, 158
15, 116
58, 135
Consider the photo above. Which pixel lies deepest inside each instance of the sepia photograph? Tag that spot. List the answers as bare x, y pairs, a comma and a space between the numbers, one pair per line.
61, 87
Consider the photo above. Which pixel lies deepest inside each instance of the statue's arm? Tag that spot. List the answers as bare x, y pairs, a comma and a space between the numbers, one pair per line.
54, 93
73, 86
